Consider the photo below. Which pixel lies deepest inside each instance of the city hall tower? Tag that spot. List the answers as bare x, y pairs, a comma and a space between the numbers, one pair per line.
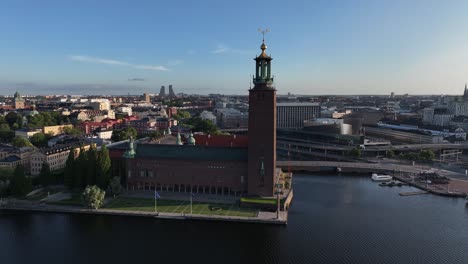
262, 128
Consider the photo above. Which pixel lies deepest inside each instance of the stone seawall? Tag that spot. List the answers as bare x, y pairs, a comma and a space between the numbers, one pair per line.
263, 218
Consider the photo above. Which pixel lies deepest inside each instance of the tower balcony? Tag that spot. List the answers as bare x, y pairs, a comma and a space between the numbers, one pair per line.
261, 80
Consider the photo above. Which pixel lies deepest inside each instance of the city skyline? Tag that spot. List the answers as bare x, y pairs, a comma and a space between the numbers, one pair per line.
321, 48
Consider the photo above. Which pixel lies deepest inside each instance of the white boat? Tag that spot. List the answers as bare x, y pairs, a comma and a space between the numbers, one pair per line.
381, 177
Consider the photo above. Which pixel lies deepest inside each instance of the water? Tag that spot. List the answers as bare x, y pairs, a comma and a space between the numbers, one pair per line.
334, 219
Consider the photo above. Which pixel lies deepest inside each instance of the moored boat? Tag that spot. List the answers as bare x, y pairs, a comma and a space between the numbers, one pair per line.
381, 177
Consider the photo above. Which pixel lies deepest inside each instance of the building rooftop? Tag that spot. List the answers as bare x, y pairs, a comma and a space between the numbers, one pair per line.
190, 152
12, 158
234, 141
298, 104
60, 148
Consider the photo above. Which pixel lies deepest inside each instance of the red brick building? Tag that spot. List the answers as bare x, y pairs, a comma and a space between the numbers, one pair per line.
210, 164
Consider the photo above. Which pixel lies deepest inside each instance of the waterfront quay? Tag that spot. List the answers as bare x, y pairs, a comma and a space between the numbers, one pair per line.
457, 186
142, 204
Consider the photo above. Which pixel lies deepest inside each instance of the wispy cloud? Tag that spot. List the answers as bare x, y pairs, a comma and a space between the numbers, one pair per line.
191, 51
136, 80
97, 60
175, 62
222, 48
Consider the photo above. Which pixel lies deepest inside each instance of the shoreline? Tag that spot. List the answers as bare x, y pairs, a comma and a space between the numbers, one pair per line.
267, 217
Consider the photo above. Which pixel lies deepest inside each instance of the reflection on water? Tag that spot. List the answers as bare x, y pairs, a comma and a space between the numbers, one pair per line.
334, 219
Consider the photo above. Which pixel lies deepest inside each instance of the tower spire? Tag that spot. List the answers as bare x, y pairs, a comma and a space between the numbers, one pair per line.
262, 127
263, 78
263, 31
465, 93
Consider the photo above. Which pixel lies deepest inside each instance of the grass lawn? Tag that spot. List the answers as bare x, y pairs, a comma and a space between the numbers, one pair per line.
179, 207
258, 200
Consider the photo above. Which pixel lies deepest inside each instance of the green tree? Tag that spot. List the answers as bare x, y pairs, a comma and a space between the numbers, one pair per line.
427, 155
46, 119
391, 153
6, 134
181, 115
72, 131
200, 125
6, 172
80, 170
20, 184
11, 118
93, 197
69, 173
40, 140
120, 115
45, 176
115, 187
155, 134
21, 142
409, 156
356, 153
103, 166
124, 134
91, 162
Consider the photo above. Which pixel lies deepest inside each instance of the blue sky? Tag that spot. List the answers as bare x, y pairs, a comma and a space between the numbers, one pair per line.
319, 47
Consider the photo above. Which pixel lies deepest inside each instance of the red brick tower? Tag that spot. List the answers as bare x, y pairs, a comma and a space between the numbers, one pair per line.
262, 129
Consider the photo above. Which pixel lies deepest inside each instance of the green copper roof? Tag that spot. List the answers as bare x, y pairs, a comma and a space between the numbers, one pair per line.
18, 97
179, 139
191, 140
130, 153
188, 152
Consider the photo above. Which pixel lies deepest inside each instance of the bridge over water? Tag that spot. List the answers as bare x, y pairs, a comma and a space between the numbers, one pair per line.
284, 143
349, 167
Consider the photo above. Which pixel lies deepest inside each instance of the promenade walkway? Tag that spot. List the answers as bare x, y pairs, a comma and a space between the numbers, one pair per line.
25, 205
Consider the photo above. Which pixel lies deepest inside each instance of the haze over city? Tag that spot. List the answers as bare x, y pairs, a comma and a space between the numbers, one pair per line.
326, 47
263, 132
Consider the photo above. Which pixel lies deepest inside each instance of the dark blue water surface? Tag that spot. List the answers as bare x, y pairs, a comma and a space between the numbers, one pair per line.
334, 219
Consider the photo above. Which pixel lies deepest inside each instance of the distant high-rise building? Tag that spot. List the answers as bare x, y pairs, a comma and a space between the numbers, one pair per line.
162, 92
171, 91
147, 98
465, 93
392, 95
